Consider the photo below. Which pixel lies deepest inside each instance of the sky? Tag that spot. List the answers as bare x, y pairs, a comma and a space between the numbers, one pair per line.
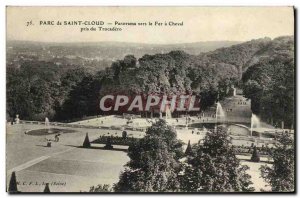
199, 24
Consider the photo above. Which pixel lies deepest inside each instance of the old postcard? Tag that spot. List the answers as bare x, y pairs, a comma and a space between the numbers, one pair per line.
150, 99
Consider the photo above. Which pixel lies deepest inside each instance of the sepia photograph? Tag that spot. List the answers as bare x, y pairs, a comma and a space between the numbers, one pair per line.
128, 99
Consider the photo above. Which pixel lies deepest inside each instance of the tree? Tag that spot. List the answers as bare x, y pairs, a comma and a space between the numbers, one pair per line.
255, 155
128, 62
86, 142
82, 99
47, 189
13, 188
153, 165
281, 175
36, 89
189, 150
215, 168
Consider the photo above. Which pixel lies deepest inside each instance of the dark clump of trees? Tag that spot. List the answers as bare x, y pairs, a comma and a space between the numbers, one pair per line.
82, 100
215, 168
36, 89
281, 175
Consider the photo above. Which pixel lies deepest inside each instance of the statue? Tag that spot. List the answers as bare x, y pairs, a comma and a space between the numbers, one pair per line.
17, 119
232, 91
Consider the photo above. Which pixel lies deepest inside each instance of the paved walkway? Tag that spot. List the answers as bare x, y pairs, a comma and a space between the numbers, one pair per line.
34, 161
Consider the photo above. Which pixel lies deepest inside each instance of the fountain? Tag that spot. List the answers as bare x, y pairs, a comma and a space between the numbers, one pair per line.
255, 122
220, 114
168, 113
160, 115
46, 122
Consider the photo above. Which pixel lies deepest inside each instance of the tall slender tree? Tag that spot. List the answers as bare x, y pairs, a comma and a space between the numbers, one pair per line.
47, 189
86, 142
189, 150
13, 188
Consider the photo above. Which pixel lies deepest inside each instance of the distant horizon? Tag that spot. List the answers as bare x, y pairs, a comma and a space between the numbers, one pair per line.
145, 43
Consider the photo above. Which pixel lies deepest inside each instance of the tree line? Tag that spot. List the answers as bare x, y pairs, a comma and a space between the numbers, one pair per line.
263, 68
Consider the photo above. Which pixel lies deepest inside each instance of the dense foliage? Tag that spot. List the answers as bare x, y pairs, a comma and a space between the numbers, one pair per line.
214, 167
281, 175
188, 150
269, 82
38, 89
153, 165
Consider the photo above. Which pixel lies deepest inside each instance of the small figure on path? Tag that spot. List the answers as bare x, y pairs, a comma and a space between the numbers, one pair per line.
57, 137
49, 143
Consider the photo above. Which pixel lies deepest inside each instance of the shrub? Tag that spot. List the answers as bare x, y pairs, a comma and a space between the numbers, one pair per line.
101, 188
124, 134
108, 144
255, 155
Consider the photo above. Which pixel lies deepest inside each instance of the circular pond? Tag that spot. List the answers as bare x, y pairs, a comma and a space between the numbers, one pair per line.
49, 131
